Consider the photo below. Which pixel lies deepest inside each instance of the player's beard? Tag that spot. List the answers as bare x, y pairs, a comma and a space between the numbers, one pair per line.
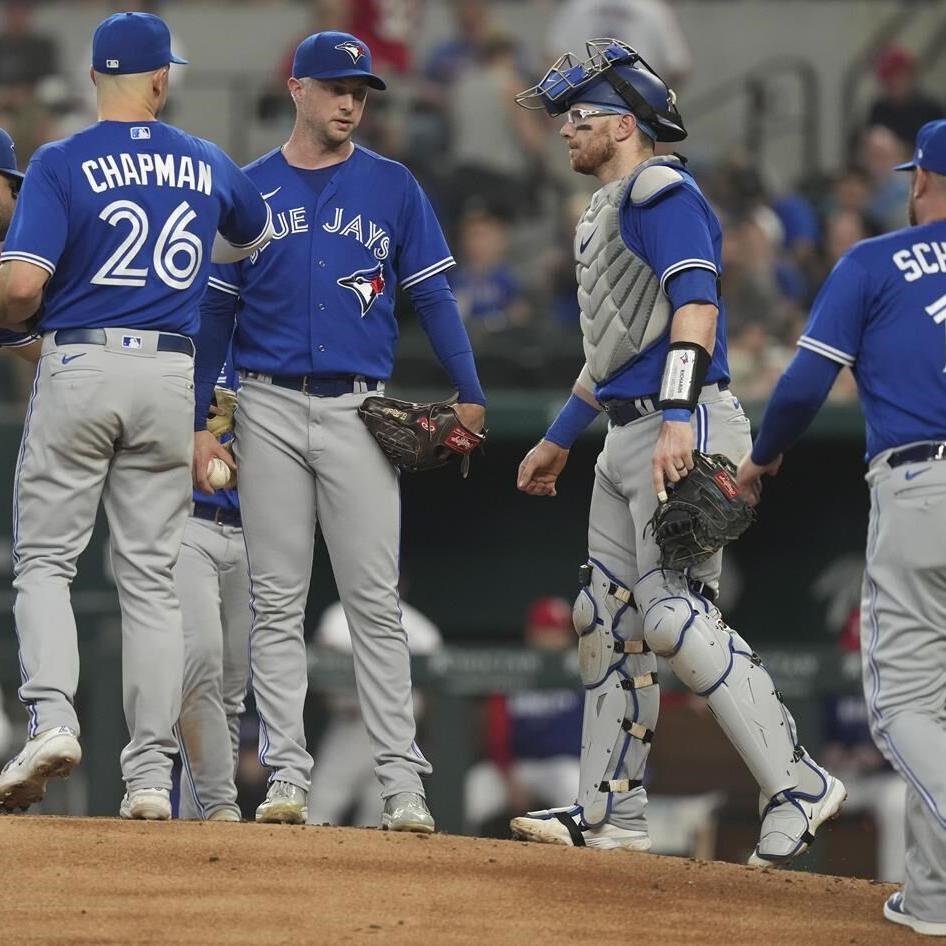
594, 152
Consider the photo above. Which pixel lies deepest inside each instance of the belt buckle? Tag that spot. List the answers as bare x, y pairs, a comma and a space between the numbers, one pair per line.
939, 452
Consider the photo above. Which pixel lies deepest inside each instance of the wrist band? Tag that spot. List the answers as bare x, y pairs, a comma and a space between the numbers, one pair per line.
684, 373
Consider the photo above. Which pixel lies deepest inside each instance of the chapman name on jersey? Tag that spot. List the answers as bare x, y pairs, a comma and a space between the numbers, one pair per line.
143, 169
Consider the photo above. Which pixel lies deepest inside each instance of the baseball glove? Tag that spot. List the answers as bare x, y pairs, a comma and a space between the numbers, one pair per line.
703, 513
419, 436
221, 424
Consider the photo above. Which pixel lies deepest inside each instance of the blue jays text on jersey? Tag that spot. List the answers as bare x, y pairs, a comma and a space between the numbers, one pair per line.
679, 236
882, 313
319, 299
121, 215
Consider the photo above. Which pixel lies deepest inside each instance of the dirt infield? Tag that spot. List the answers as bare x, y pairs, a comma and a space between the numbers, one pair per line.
101, 881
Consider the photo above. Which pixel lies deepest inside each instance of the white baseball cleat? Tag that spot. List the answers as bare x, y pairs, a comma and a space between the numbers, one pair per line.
146, 804
225, 814
51, 754
896, 912
790, 820
563, 826
407, 811
285, 804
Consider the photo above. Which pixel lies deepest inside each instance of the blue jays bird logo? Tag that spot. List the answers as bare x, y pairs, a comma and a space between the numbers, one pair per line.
353, 50
366, 284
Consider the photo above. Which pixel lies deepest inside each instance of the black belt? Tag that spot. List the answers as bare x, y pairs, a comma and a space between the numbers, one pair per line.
223, 517
920, 453
97, 336
316, 385
624, 412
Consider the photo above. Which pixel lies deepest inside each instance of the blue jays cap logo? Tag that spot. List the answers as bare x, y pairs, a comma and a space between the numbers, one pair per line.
353, 50
366, 284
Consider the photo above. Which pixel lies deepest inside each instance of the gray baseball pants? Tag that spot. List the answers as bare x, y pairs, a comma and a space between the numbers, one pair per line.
110, 423
306, 462
903, 644
214, 589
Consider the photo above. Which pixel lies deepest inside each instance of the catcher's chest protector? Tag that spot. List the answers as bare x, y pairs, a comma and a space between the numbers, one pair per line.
622, 308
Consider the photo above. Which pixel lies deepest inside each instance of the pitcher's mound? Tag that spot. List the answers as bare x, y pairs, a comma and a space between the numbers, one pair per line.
70, 881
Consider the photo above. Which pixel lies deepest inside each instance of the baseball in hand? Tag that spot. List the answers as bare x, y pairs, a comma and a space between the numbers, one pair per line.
218, 473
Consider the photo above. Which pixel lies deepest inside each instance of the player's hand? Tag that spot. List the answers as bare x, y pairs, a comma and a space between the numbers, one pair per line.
673, 455
206, 447
749, 477
472, 416
540, 468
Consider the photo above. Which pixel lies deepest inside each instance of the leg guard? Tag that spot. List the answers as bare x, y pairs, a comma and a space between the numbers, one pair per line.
717, 664
621, 703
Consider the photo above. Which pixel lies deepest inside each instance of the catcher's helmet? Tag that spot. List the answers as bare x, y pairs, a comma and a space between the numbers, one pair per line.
614, 75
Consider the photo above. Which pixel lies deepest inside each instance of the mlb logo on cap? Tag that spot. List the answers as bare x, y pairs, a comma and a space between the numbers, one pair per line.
129, 43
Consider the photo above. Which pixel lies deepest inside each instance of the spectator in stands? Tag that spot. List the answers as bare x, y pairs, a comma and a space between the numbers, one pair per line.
650, 26
473, 28
488, 291
496, 147
26, 56
880, 151
902, 106
533, 737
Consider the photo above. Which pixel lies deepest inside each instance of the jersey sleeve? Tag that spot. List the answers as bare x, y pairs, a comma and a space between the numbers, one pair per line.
11, 339
245, 214
836, 322
40, 223
226, 278
422, 247
675, 235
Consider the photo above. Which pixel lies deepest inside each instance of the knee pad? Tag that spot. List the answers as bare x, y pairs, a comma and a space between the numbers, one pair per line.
622, 698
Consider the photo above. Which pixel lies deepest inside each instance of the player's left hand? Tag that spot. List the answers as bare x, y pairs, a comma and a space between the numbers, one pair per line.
472, 416
749, 477
673, 455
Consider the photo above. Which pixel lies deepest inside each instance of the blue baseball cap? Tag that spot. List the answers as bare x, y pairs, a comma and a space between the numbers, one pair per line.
128, 43
334, 55
8, 157
930, 149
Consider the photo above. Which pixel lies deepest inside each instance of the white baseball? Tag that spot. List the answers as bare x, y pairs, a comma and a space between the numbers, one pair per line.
218, 473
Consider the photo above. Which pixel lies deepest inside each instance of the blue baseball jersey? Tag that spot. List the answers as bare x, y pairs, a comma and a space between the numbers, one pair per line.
11, 339
882, 313
224, 498
319, 297
123, 216
678, 235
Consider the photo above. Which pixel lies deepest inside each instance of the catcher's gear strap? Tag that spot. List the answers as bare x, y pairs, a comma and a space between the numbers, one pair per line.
684, 373
620, 785
574, 832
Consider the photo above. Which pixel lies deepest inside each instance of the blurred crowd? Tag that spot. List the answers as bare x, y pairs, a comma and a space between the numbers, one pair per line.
500, 181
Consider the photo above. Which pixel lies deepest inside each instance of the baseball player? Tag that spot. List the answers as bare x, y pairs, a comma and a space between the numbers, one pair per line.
109, 251
213, 586
26, 345
881, 314
315, 334
648, 260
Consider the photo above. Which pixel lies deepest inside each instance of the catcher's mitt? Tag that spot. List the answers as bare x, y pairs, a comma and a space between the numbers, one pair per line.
419, 436
703, 513
221, 425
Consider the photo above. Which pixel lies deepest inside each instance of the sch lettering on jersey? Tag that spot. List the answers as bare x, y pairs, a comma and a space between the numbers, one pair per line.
144, 169
921, 259
372, 237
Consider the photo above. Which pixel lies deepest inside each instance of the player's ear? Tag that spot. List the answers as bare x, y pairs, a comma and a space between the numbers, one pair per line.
295, 88
921, 182
92, 75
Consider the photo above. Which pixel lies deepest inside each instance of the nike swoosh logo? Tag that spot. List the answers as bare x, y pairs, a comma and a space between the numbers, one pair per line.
67, 358
584, 243
272, 193
913, 474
